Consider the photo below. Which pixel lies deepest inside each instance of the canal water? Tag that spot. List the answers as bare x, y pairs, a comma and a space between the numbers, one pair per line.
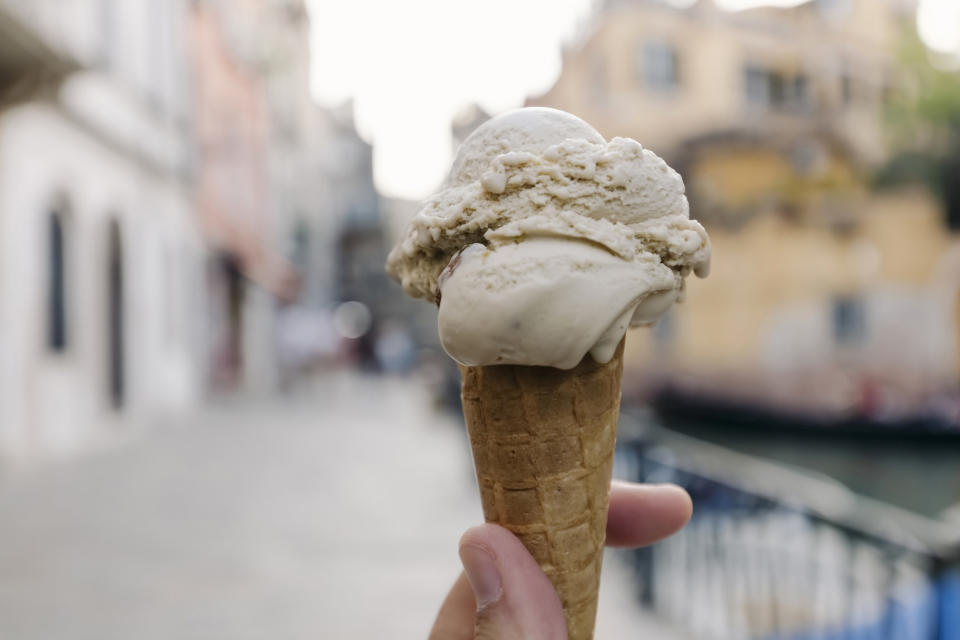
921, 475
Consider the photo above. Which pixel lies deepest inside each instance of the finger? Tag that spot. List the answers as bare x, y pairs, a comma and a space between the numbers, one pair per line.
641, 514
514, 598
458, 613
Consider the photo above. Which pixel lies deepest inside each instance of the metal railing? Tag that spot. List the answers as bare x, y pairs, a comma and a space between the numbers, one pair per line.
778, 553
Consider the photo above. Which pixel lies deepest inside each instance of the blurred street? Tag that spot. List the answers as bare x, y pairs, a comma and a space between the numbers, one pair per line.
283, 518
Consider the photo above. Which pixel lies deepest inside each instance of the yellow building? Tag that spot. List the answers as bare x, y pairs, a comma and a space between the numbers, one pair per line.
774, 116
663, 75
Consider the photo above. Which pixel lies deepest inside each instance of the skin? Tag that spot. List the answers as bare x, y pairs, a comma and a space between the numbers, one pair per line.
516, 600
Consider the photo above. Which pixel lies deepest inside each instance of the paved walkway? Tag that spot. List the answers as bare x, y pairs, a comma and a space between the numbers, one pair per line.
333, 514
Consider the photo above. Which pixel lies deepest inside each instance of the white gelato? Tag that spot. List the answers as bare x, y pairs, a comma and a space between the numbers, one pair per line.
551, 242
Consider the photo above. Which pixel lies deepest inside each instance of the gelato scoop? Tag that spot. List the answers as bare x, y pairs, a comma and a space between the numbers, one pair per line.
546, 243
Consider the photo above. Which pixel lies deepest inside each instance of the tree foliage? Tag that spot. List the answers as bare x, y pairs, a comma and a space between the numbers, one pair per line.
923, 117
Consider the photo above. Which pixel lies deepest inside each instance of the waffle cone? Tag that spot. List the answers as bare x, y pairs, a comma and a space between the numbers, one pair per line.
543, 442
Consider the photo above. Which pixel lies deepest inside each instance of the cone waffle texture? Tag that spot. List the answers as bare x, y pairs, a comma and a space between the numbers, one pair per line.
543, 441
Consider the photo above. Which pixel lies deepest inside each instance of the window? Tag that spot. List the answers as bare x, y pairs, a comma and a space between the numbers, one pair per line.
778, 90
659, 66
757, 88
849, 320
301, 245
56, 285
770, 89
115, 316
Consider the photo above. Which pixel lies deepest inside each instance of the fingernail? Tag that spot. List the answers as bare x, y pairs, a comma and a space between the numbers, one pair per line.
482, 573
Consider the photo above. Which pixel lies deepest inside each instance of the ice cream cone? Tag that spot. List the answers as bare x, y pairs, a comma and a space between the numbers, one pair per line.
547, 242
543, 441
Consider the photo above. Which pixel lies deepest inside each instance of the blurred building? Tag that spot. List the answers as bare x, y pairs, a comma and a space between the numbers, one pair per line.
364, 238
823, 290
321, 240
168, 191
360, 239
99, 255
234, 201
667, 75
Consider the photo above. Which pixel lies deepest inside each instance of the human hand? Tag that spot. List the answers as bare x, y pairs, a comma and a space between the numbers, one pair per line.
503, 594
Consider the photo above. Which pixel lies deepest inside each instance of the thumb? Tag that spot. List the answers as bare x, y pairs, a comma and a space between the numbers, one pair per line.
515, 600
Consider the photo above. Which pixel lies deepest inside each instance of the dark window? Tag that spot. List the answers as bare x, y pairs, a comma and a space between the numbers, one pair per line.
757, 86
775, 90
301, 245
660, 66
56, 285
778, 90
115, 316
849, 320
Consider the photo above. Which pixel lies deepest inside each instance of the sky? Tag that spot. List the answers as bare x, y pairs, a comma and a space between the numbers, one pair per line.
410, 66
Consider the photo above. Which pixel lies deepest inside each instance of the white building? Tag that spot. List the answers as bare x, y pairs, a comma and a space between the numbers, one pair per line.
100, 261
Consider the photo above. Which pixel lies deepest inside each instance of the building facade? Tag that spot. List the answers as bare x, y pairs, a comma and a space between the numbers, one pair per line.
664, 75
99, 252
318, 200
169, 190
823, 289
233, 198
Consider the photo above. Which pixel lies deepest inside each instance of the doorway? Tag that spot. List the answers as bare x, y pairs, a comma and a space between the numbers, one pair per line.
116, 380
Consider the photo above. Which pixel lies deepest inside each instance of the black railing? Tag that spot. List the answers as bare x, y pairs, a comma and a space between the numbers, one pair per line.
777, 553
